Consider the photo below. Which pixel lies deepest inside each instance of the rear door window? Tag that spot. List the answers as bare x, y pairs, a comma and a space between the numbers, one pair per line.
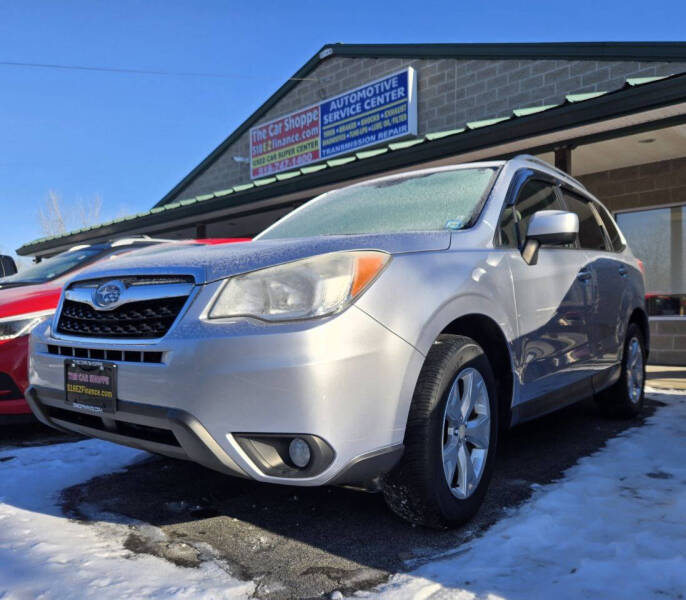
611, 228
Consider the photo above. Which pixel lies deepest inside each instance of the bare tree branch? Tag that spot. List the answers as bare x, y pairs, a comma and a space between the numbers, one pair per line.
89, 211
50, 215
56, 217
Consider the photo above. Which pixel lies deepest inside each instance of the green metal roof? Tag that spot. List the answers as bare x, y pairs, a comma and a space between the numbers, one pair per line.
237, 194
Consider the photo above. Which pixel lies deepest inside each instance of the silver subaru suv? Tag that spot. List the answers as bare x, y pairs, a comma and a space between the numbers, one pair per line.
381, 335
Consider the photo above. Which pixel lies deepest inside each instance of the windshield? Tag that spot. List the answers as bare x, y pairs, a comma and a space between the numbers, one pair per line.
422, 202
52, 268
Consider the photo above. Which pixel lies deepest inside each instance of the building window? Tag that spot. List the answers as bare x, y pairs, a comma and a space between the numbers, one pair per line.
658, 238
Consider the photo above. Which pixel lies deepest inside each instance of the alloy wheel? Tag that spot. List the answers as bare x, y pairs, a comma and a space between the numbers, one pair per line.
466, 433
634, 370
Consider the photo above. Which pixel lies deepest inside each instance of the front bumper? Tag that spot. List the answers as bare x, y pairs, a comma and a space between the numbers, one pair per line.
346, 380
169, 432
14, 377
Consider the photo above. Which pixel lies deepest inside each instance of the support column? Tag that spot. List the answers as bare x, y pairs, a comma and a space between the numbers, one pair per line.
563, 159
676, 250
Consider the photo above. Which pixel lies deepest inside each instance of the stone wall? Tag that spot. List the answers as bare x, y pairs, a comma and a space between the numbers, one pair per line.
643, 186
668, 341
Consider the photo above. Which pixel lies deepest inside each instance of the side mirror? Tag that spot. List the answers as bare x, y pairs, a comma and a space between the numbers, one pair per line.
7, 266
552, 227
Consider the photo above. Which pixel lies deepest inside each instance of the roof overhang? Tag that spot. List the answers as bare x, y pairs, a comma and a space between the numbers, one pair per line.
643, 51
629, 110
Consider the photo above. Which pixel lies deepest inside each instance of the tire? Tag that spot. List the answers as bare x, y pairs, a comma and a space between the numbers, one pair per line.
417, 489
624, 399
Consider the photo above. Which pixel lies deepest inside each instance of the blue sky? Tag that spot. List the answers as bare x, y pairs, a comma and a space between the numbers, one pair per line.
130, 138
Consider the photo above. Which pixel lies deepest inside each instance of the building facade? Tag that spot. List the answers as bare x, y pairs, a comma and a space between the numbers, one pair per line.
611, 114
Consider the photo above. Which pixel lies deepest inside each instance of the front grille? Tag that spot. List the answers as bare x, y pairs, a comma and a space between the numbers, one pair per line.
135, 280
135, 320
107, 354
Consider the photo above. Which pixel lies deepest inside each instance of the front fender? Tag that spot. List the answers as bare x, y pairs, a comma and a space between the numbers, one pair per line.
419, 295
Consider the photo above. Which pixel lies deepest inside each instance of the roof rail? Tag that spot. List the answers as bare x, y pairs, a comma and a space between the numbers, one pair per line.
540, 161
133, 236
133, 239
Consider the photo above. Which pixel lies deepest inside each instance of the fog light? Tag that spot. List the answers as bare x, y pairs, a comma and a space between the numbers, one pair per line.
300, 453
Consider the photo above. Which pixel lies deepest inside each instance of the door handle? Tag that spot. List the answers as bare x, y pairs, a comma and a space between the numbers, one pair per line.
583, 276
622, 271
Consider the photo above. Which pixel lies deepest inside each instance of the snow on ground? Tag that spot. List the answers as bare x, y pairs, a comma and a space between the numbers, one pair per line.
45, 555
613, 527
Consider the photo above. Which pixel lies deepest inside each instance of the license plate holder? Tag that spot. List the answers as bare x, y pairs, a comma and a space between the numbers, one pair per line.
91, 385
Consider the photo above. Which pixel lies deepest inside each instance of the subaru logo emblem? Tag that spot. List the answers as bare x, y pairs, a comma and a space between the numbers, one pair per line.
108, 294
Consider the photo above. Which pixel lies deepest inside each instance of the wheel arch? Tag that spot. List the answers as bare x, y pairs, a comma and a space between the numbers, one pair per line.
640, 317
488, 334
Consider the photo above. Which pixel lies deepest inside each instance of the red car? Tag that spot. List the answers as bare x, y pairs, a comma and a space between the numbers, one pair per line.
32, 295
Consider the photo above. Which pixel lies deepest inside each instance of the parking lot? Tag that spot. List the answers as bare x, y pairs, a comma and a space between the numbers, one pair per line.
305, 543
394, 309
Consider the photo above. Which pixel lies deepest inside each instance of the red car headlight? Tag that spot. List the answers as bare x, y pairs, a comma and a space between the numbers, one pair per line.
14, 327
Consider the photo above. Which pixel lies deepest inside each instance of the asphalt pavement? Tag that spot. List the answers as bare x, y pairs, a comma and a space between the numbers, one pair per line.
309, 542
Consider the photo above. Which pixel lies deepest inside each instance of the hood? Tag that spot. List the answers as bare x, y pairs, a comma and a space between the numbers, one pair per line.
209, 263
25, 299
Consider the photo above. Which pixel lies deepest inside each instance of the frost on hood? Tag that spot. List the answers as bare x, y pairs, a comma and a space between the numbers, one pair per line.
209, 263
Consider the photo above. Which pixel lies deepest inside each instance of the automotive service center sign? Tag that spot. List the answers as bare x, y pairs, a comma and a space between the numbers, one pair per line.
373, 113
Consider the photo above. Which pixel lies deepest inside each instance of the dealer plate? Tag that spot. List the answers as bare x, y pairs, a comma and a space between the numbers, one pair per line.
91, 385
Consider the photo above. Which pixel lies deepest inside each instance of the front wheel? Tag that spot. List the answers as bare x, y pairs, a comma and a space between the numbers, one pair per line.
625, 398
450, 439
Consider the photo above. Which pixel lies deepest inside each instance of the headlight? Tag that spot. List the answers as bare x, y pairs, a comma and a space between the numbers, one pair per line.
13, 327
303, 289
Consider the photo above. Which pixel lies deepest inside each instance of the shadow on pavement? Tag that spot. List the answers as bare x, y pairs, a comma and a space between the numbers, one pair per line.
666, 378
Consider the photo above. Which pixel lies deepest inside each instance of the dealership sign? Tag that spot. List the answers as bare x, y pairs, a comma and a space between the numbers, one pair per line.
375, 112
